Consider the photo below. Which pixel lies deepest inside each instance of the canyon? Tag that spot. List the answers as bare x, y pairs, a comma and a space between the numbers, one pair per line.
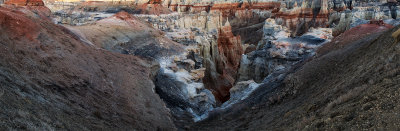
199, 65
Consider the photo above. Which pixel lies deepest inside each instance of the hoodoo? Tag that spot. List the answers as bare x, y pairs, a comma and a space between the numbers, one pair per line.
226, 63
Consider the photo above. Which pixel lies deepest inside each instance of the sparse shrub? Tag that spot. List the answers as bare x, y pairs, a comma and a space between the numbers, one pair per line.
305, 121
344, 98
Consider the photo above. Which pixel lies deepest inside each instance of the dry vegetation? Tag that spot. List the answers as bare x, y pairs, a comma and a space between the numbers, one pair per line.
344, 98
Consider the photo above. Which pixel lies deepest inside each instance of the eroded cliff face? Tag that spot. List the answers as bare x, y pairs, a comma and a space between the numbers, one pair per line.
246, 17
220, 49
194, 6
300, 17
278, 52
243, 15
271, 46
221, 60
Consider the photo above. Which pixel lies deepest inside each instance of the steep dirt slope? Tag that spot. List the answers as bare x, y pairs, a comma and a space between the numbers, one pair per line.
51, 80
352, 35
124, 33
355, 87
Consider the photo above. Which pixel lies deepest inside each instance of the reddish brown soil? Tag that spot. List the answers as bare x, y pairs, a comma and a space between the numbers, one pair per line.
51, 80
154, 9
154, 2
352, 35
25, 2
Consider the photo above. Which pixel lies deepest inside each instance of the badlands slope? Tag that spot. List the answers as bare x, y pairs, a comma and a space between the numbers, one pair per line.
199, 65
52, 80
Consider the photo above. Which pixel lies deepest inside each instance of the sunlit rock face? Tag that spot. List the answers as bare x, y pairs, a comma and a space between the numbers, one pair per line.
299, 17
78, 8
344, 23
246, 16
240, 14
207, 5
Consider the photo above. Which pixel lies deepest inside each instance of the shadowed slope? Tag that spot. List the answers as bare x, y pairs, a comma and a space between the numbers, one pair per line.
51, 80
